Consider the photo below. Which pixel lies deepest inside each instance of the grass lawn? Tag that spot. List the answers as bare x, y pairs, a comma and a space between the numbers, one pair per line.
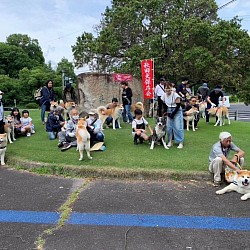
122, 154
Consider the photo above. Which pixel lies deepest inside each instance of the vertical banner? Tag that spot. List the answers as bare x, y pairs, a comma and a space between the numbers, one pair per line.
147, 68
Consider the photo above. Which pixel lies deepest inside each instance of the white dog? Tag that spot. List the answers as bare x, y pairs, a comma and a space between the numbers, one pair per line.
3, 145
241, 185
190, 116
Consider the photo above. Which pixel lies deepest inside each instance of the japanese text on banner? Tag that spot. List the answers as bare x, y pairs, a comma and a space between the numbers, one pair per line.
148, 78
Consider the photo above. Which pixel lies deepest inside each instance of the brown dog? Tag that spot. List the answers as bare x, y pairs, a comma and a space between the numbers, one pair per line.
9, 128
3, 145
190, 117
137, 105
115, 113
83, 138
221, 113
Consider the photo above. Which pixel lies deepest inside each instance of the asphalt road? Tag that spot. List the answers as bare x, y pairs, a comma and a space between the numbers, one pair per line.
113, 214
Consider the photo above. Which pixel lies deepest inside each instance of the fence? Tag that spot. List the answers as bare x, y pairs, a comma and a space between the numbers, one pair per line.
239, 115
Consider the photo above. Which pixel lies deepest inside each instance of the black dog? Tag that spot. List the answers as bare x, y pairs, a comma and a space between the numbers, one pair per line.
159, 132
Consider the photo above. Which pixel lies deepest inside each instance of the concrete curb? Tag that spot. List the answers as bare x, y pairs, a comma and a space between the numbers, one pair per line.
92, 172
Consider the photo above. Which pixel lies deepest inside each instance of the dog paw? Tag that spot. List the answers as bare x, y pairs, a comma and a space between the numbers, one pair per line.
80, 159
2, 163
244, 197
219, 192
11, 141
90, 158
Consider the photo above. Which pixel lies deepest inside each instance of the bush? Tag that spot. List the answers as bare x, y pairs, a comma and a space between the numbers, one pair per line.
32, 105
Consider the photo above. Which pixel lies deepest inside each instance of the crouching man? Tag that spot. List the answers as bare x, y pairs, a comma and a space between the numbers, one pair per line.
67, 139
218, 158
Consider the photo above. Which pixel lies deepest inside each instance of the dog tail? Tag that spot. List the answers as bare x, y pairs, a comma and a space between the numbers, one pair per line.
101, 110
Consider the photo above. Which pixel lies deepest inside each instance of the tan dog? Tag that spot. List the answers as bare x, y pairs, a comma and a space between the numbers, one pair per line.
221, 113
9, 128
138, 105
67, 108
202, 108
241, 185
190, 116
115, 113
3, 145
83, 138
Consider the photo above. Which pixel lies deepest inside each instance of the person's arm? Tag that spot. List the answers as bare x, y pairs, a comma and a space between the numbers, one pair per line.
236, 158
229, 163
178, 104
129, 92
150, 129
209, 101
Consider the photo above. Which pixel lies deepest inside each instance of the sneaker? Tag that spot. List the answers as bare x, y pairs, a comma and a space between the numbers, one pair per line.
169, 145
180, 145
33, 131
28, 134
60, 144
65, 146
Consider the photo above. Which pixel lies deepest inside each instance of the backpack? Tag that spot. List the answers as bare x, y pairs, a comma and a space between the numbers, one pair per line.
38, 94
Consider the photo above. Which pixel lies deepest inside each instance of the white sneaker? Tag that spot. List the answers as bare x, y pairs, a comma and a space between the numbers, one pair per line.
28, 134
180, 145
33, 131
169, 145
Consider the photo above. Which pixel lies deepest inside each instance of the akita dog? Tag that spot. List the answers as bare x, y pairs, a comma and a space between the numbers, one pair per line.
83, 138
115, 113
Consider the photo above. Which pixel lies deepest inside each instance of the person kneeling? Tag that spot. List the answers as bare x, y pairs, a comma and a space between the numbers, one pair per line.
139, 128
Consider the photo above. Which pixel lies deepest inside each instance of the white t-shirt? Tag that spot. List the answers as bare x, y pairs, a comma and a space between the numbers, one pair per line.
25, 121
169, 100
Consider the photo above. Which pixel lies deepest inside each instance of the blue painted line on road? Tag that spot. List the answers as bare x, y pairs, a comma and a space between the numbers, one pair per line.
29, 217
162, 221
131, 220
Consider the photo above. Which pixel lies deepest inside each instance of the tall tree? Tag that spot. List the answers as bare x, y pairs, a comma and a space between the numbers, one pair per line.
30, 46
185, 37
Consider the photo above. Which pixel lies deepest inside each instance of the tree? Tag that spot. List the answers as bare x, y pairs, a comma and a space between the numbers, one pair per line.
30, 46
184, 37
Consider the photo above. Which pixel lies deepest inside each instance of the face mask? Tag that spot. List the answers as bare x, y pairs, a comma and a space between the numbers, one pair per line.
75, 117
1, 97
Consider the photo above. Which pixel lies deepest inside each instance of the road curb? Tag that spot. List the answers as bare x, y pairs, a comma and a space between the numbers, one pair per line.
92, 172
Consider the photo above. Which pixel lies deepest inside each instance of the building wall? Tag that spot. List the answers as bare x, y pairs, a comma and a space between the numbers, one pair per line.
96, 89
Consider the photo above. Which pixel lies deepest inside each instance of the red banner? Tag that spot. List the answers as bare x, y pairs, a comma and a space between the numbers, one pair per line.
147, 71
122, 77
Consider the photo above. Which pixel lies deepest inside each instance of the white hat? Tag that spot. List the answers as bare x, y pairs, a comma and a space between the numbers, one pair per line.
92, 112
224, 135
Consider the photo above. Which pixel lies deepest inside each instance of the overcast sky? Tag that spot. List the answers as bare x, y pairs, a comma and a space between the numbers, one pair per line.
57, 23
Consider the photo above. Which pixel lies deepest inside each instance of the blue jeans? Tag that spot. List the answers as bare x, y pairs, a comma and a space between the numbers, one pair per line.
109, 120
175, 126
52, 135
126, 112
43, 109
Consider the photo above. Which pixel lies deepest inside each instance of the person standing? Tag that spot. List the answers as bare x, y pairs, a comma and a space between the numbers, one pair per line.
203, 92
175, 116
182, 89
1, 114
69, 94
48, 95
218, 158
126, 101
159, 91
213, 100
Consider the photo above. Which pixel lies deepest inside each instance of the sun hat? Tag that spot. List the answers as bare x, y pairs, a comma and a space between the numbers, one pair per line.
92, 112
224, 135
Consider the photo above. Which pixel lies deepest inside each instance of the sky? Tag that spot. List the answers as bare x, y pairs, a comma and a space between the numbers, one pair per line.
57, 23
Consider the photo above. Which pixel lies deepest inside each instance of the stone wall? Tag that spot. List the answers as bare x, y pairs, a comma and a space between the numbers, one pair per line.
96, 89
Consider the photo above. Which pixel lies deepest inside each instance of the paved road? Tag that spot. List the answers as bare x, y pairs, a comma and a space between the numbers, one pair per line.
113, 214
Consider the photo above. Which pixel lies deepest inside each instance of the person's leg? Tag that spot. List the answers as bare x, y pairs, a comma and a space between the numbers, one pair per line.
178, 127
51, 135
99, 137
169, 131
206, 112
124, 114
216, 167
160, 105
128, 110
43, 109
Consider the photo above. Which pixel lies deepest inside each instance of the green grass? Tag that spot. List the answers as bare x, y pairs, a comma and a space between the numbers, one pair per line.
122, 154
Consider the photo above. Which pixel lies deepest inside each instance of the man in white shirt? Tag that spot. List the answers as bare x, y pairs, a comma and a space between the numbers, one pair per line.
159, 91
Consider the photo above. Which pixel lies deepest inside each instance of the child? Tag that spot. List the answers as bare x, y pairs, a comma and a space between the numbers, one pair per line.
139, 127
27, 127
54, 123
17, 122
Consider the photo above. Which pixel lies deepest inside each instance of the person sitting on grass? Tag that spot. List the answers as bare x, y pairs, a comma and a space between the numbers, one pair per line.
139, 125
54, 123
94, 127
15, 113
67, 139
27, 127
218, 158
